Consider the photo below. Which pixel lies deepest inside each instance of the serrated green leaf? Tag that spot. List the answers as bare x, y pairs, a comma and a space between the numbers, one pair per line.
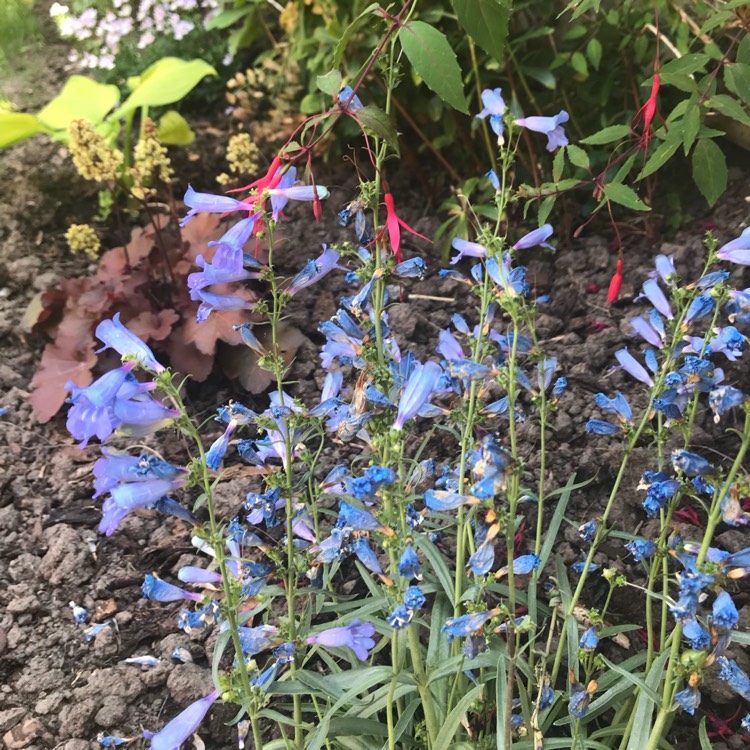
625, 196
80, 98
338, 52
545, 209
174, 130
716, 19
685, 65
691, 124
330, 83
379, 124
486, 22
594, 52
558, 164
709, 170
434, 61
729, 106
607, 135
737, 79
743, 51
578, 157
167, 81
18, 126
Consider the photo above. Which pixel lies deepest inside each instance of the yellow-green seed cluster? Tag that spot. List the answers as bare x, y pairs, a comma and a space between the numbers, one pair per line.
151, 158
93, 157
82, 238
242, 155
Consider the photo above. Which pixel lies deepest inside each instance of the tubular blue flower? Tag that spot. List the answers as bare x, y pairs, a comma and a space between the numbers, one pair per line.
631, 365
580, 697
688, 699
414, 268
215, 454
652, 291
448, 345
724, 613
364, 488
691, 464
641, 549
400, 617
658, 494
80, 615
145, 411
314, 271
414, 598
348, 100
365, 554
665, 269
199, 619
537, 237
494, 179
550, 126
710, 280
737, 679
192, 574
419, 387
160, 591
729, 341
494, 108
356, 635
511, 281
646, 331
255, 640
738, 250
483, 559
724, 398
460, 627
559, 388
618, 406
225, 268
205, 203
696, 634
114, 335
300, 193
522, 565
359, 520
587, 531
183, 725
600, 427
443, 500
685, 608
409, 566
249, 339
700, 307
468, 249
236, 238
127, 497
211, 302
589, 640
738, 307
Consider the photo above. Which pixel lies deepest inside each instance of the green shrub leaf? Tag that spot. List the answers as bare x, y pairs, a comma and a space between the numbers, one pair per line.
709, 170
174, 130
434, 61
608, 135
486, 22
625, 196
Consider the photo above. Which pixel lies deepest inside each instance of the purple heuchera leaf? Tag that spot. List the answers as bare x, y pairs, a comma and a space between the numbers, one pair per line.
183, 725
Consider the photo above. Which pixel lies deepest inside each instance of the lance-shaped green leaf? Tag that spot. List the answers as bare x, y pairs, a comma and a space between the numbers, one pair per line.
434, 61
486, 22
709, 169
378, 123
625, 196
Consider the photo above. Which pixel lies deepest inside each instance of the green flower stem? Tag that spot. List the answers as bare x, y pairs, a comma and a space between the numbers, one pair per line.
423, 687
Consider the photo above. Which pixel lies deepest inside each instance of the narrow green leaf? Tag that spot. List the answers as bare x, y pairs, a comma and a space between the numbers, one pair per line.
737, 79
709, 170
174, 130
338, 52
571, 624
743, 50
80, 98
168, 80
501, 697
330, 83
557, 519
379, 124
608, 135
18, 126
434, 61
625, 196
450, 726
221, 643
579, 64
716, 19
404, 720
661, 155
432, 553
632, 678
486, 22
644, 709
